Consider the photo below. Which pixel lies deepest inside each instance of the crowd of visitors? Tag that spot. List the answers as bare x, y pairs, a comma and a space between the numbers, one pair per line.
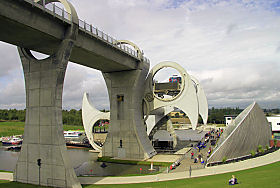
212, 136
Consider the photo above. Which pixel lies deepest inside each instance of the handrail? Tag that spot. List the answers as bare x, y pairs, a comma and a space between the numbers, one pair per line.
88, 28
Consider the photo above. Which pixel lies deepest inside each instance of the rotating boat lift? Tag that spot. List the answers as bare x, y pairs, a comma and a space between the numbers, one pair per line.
191, 100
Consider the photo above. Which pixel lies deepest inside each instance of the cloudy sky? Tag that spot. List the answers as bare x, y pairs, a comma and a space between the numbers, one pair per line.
232, 47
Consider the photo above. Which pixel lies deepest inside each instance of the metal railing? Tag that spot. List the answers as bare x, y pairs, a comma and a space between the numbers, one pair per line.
88, 28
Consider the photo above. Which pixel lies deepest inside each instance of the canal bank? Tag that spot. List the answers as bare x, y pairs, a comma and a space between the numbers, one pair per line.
84, 163
221, 169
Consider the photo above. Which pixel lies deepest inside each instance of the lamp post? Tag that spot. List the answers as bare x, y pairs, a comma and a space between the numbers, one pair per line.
39, 165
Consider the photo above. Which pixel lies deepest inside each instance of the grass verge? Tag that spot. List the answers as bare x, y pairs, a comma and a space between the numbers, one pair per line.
6, 171
11, 128
264, 176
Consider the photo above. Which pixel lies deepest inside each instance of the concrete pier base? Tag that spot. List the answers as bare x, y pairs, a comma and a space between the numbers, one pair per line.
127, 137
43, 132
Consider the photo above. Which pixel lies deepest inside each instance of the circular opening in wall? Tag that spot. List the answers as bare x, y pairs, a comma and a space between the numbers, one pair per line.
38, 55
167, 83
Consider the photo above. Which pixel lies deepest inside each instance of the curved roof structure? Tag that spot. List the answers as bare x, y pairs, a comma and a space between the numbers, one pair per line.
249, 129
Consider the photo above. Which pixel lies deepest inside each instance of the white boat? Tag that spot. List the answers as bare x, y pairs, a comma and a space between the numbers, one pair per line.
72, 134
12, 141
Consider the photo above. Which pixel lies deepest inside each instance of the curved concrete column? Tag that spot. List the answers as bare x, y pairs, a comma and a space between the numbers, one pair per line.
90, 116
202, 100
43, 132
186, 100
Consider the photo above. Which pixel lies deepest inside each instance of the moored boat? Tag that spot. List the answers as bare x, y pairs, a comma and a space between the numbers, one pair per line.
12, 141
72, 134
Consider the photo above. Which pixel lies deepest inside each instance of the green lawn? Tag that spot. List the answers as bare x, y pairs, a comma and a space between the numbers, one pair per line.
8, 184
11, 128
263, 177
17, 128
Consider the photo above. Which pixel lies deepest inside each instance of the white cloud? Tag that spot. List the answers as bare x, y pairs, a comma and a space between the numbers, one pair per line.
232, 47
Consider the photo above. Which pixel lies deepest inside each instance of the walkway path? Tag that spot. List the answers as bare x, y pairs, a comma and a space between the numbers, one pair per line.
6, 176
242, 165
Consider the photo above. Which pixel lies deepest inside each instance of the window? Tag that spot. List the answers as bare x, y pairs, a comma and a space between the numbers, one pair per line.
120, 107
278, 123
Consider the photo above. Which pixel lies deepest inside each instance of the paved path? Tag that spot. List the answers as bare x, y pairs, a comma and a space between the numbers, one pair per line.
6, 176
242, 165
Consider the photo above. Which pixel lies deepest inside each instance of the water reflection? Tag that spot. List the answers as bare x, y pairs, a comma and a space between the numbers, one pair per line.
84, 163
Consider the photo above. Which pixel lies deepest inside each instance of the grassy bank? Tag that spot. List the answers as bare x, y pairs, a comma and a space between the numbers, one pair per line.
111, 160
6, 171
265, 176
16, 128
11, 128
8, 184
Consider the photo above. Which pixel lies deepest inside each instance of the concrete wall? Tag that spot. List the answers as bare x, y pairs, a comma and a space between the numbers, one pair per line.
248, 130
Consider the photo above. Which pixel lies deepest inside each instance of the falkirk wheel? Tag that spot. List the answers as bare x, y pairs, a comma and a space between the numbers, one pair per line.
190, 98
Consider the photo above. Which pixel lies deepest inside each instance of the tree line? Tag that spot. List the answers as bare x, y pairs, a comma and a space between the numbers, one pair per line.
74, 117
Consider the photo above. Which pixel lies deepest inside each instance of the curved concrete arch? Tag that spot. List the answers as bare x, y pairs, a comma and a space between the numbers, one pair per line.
139, 52
68, 7
202, 100
90, 116
186, 100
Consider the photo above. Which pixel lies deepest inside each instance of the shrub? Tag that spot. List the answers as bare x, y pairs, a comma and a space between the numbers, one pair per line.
275, 143
260, 149
224, 159
267, 147
253, 153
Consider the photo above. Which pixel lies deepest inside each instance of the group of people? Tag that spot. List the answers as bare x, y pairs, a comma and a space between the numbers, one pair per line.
197, 159
213, 135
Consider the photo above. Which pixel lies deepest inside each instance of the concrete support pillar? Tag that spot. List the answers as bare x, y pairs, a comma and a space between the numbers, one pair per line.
43, 133
170, 129
127, 137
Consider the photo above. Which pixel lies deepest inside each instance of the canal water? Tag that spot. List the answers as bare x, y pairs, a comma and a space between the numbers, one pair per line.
84, 163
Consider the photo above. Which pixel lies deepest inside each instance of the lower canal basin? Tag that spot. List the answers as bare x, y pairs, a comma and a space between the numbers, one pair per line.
84, 163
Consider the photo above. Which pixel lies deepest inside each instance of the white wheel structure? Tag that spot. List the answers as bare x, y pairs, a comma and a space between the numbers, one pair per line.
191, 100
90, 116
186, 100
